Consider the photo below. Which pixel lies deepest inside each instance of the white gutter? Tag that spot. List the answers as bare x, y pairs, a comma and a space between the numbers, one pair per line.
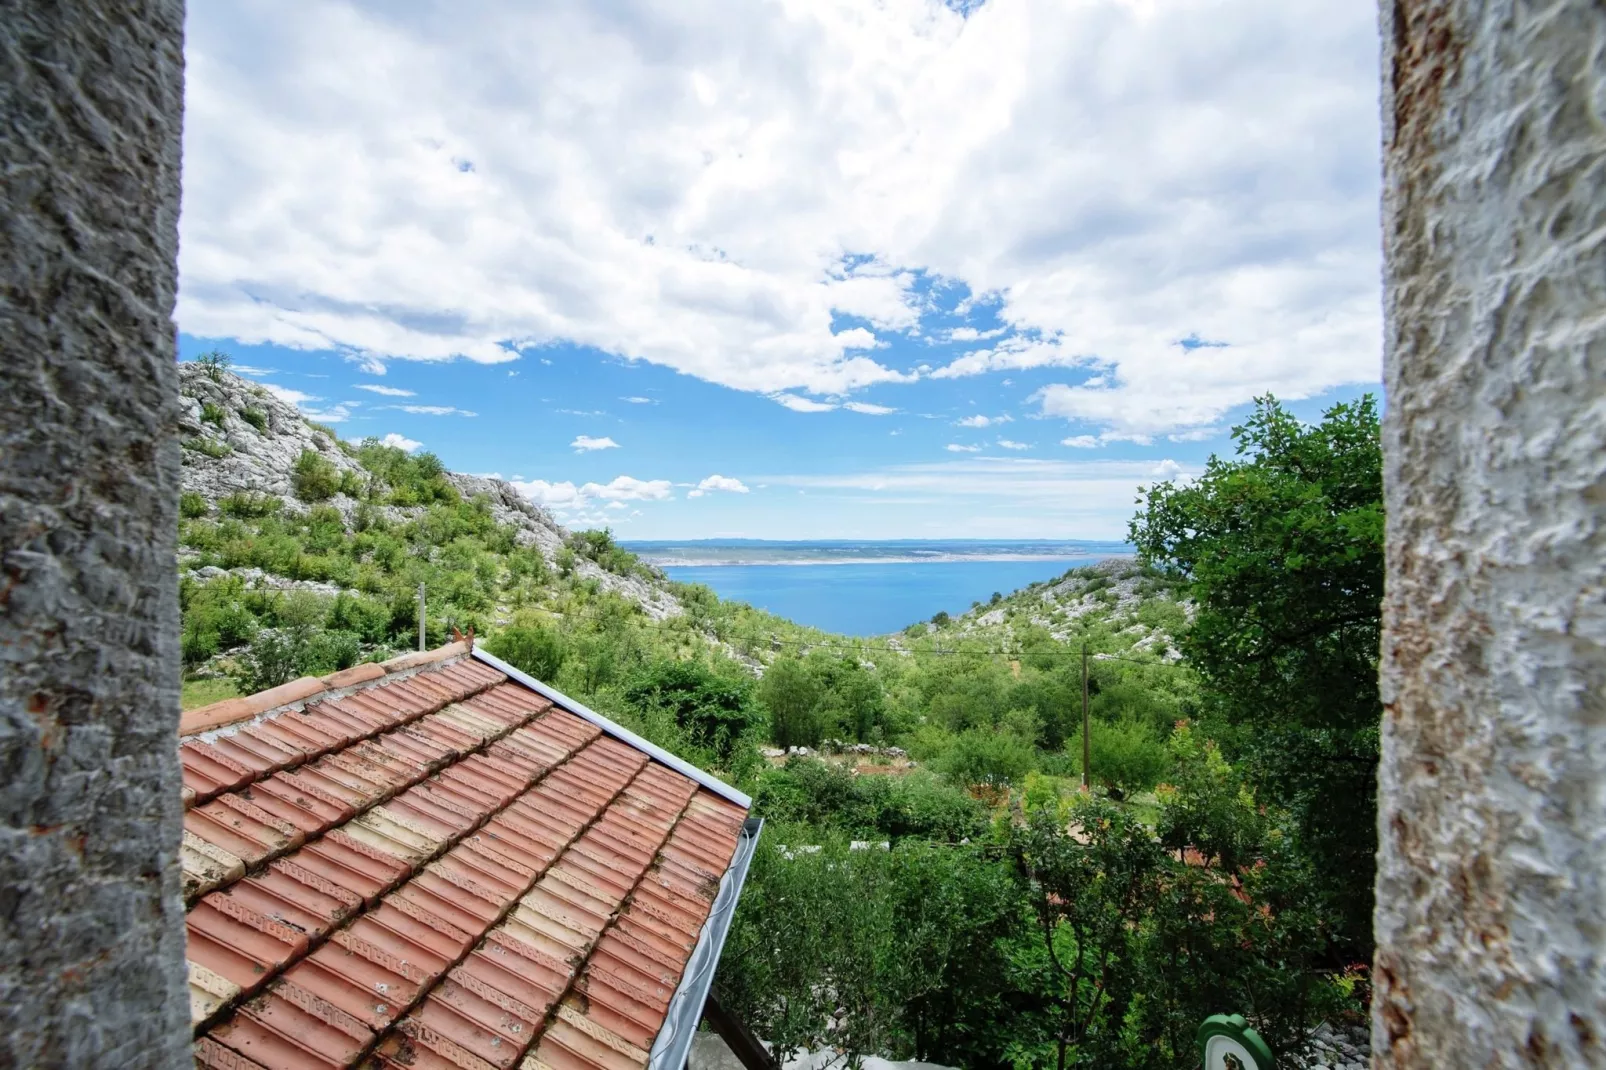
670, 1049
657, 753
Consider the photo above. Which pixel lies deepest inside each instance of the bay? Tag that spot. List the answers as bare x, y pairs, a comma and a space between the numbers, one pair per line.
886, 587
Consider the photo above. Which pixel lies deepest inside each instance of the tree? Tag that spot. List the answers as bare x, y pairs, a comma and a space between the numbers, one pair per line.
214, 362
714, 710
792, 696
1283, 548
1091, 892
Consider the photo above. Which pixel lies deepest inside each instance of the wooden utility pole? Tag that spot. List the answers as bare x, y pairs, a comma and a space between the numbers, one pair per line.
1087, 738
421, 639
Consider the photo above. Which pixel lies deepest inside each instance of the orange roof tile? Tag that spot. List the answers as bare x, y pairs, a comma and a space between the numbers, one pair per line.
429, 864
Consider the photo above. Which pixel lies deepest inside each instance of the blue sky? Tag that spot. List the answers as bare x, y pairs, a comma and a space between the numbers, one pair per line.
790, 270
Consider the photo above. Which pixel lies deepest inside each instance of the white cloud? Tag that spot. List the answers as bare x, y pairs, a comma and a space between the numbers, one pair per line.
431, 410
1009, 444
367, 363
718, 482
800, 404
337, 413
402, 442
566, 495
984, 421
869, 409
1167, 470
684, 184
586, 444
1081, 442
388, 391
286, 394
624, 488
954, 447
971, 334
639, 401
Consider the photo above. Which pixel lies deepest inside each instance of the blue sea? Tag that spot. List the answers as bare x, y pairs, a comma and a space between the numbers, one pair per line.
868, 588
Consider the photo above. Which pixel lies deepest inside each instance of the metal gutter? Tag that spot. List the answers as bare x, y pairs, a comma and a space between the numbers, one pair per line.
657, 753
670, 1050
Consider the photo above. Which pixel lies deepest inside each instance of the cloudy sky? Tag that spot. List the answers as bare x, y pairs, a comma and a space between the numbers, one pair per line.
790, 268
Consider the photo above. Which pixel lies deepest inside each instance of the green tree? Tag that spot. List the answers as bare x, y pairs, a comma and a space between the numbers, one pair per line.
1283, 548
214, 362
715, 710
791, 694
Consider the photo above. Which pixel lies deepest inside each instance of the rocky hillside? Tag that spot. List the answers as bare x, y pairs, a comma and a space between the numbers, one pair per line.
242, 441
1116, 607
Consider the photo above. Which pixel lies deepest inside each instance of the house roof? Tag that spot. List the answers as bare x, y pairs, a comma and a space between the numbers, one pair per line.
441, 863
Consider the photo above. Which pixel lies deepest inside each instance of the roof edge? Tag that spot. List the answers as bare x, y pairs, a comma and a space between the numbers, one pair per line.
653, 750
245, 707
673, 1043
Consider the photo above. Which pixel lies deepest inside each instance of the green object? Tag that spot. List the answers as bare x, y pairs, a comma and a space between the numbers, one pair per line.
1227, 1043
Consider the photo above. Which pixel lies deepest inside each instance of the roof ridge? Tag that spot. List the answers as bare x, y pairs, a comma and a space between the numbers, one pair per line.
231, 711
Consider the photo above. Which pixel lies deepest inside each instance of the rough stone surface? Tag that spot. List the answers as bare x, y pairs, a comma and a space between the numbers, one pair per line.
91, 924
1491, 892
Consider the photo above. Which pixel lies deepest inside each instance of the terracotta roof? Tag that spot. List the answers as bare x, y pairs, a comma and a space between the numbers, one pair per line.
443, 867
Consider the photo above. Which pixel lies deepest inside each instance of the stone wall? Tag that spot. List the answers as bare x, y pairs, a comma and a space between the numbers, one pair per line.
91, 926
1491, 892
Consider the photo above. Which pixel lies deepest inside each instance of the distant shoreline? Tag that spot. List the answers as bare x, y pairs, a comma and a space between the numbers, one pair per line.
743, 553
686, 562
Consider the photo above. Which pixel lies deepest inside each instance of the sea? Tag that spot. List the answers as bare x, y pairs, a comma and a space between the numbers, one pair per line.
868, 588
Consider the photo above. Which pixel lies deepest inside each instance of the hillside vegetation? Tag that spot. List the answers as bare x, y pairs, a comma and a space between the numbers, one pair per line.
1009, 920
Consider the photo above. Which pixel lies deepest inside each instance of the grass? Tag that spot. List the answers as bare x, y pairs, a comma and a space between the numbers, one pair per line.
204, 692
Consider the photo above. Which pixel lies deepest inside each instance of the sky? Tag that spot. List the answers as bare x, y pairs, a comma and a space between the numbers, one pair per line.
790, 268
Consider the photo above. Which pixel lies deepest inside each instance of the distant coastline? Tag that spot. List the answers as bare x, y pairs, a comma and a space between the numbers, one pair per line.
713, 553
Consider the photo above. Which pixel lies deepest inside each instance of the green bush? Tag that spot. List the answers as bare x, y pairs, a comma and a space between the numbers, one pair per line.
531, 648
329, 651
212, 414
715, 710
192, 505
988, 757
1127, 756
272, 659
256, 418
209, 447
246, 505
315, 478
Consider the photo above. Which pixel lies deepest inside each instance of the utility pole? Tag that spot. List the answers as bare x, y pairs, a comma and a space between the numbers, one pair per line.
1087, 739
421, 639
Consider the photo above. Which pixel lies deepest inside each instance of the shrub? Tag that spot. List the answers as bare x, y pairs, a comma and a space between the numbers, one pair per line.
1127, 755
256, 418
192, 505
209, 447
715, 711
212, 414
246, 505
984, 756
366, 617
270, 660
329, 651
531, 648
314, 478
